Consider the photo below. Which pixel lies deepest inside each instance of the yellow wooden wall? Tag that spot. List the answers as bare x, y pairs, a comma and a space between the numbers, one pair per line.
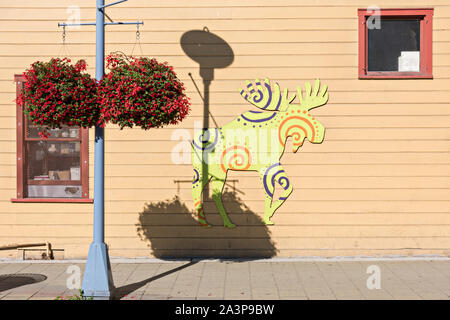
378, 185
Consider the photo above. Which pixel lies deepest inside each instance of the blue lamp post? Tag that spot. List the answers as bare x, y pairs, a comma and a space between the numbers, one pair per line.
98, 281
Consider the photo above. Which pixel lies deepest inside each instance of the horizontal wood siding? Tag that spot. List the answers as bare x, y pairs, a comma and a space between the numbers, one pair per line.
378, 185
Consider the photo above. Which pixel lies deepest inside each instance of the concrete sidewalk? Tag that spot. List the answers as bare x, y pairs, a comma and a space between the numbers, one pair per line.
257, 279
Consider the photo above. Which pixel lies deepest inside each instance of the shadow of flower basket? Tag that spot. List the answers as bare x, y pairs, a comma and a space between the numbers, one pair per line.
172, 231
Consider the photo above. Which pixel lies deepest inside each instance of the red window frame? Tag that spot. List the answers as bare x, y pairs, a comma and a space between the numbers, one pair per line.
426, 42
22, 183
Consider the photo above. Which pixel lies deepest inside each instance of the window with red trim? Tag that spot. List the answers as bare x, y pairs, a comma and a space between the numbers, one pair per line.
395, 43
55, 169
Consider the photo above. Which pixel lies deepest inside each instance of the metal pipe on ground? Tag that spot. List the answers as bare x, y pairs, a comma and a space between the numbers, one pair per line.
28, 245
17, 246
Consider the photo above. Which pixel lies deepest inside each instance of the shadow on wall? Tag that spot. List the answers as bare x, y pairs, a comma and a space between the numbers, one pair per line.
170, 226
172, 231
210, 52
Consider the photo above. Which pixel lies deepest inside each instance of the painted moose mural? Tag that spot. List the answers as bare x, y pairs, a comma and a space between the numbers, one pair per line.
256, 141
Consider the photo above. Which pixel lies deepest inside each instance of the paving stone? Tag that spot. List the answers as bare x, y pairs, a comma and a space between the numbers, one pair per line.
218, 291
42, 298
187, 281
433, 275
153, 297
213, 278
138, 281
397, 288
14, 296
287, 281
162, 286
312, 281
288, 293
421, 286
136, 295
442, 266
294, 298
338, 281
265, 293
13, 267
181, 298
50, 290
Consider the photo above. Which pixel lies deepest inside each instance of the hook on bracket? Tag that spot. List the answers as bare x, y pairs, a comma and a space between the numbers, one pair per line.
64, 35
138, 34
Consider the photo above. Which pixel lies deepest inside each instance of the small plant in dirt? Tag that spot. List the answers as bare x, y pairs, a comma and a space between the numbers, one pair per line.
79, 296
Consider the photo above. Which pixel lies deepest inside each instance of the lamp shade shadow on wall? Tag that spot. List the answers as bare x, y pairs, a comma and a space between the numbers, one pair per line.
208, 50
172, 231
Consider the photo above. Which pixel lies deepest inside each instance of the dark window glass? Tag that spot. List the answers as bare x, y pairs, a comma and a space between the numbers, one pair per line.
53, 165
53, 169
53, 160
395, 39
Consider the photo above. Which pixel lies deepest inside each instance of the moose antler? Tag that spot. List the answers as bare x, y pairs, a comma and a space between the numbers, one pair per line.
266, 98
315, 98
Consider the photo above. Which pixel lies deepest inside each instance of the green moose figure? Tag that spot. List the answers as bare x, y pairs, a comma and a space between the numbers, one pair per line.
256, 141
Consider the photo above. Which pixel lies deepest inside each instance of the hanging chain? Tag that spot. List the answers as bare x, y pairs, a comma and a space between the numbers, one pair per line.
64, 35
138, 34
138, 41
63, 50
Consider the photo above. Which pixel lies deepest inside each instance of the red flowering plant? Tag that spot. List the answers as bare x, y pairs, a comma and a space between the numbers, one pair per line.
58, 93
141, 92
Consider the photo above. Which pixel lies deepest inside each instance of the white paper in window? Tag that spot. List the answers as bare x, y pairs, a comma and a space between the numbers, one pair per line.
75, 173
409, 61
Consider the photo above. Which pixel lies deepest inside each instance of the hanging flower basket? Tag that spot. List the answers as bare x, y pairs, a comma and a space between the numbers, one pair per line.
58, 93
141, 92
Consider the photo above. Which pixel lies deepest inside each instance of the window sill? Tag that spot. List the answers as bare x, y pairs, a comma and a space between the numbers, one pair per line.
395, 75
52, 200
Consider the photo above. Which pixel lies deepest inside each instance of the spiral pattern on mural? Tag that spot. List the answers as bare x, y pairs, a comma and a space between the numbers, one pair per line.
196, 176
264, 97
236, 158
275, 173
207, 140
256, 98
298, 128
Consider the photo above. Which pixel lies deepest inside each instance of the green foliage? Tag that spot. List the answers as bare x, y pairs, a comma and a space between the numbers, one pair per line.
79, 296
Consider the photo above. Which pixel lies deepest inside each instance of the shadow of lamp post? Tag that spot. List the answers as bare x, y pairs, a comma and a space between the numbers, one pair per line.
210, 52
